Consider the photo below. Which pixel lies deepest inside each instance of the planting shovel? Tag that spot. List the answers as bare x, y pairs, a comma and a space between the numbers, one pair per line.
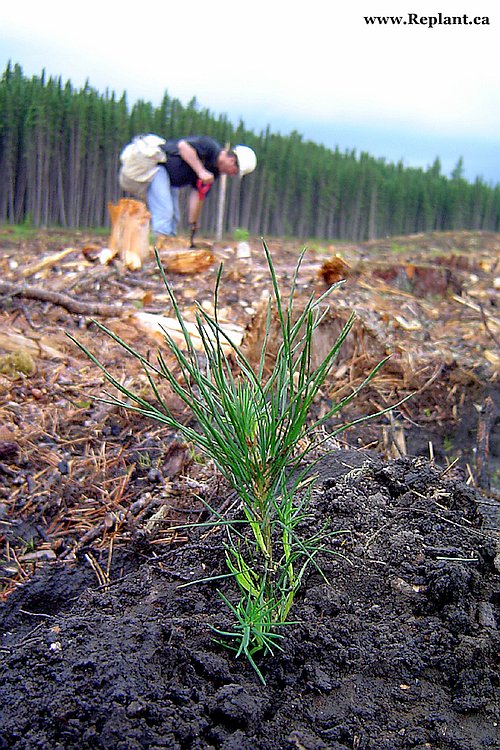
203, 188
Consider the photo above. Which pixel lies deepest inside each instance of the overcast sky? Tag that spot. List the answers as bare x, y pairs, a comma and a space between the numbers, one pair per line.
401, 92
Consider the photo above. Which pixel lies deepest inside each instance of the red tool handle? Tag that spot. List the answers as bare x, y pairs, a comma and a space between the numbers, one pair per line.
203, 188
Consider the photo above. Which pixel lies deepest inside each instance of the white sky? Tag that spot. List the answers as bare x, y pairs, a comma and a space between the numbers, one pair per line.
405, 92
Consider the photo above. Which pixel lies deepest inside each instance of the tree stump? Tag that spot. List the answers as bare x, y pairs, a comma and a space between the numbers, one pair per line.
129, 232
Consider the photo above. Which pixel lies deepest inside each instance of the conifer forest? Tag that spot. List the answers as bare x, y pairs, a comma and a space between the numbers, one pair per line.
59, 159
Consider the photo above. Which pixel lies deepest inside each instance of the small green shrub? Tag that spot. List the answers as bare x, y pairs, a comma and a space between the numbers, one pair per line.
240, 234
396, 248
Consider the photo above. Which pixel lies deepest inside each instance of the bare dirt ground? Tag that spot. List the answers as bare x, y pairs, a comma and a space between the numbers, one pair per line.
100, 649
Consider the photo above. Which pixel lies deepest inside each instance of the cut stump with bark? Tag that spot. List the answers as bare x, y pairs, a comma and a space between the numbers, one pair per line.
362, 349
129, 232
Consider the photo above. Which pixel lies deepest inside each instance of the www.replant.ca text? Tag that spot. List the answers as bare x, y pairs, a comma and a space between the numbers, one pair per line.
440, 19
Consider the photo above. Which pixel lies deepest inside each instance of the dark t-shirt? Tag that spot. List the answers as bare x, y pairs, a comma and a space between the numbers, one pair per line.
181, 173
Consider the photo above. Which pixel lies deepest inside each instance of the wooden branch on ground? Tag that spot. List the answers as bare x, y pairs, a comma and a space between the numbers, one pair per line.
62, 300
48, 262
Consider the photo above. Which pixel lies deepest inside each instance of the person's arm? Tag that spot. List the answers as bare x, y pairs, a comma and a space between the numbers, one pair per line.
189, 155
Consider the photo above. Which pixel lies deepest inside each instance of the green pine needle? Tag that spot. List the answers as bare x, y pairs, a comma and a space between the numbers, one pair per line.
251, 426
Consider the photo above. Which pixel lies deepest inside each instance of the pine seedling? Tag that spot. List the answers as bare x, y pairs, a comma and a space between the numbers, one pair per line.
251, 425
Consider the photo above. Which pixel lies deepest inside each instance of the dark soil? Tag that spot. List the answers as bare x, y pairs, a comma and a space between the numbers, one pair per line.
399, 650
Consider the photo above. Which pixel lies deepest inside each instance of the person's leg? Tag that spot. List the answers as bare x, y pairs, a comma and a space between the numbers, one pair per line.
161, 204
174, 192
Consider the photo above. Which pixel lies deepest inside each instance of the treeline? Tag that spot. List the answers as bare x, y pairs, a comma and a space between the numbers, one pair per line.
59, 158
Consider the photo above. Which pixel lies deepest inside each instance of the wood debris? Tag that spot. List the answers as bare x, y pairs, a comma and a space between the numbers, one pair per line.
47, 262
35, 346
157, 325
129, 233
187, 261
364, 340
78, 477
56, 298
334, 269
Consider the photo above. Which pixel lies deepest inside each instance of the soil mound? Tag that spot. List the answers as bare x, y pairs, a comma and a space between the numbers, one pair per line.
398, 650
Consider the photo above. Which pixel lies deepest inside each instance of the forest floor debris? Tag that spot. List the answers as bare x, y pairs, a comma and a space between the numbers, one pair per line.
94, 503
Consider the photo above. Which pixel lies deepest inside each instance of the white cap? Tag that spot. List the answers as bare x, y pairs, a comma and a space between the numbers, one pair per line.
247, 160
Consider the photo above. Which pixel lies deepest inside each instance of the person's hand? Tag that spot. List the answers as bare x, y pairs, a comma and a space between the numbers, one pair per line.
205, 175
